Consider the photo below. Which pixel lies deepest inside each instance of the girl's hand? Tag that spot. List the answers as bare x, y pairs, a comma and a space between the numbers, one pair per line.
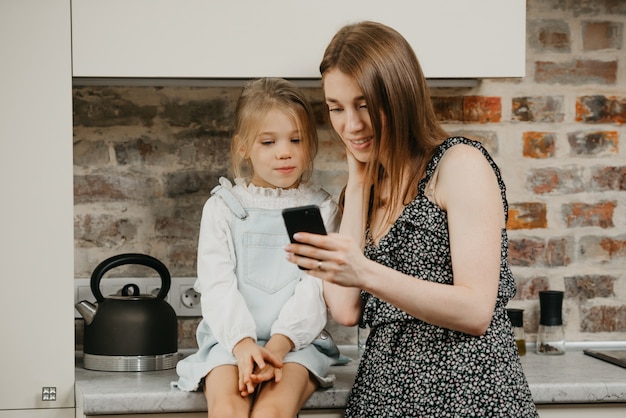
251, 356
266, 374
279, 345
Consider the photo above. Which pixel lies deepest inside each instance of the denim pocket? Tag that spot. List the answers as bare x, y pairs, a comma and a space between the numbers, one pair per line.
265, 264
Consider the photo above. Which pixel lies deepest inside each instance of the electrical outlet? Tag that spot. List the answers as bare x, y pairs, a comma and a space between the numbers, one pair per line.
190, 298
188, 306
187, 302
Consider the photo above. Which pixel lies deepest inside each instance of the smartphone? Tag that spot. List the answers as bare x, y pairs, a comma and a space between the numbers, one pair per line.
303, 219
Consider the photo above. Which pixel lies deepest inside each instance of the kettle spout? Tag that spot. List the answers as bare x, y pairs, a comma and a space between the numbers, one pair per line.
87, 310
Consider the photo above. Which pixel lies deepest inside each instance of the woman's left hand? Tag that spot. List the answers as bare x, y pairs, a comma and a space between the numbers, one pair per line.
334, 258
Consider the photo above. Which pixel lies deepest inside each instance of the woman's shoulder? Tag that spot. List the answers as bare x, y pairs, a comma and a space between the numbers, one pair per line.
460, 142
470, 149
464, 158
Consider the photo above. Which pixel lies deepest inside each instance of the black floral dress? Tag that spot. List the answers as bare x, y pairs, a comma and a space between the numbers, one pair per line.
414, 369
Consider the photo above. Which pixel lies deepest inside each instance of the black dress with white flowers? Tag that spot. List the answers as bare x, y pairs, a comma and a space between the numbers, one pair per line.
414, 369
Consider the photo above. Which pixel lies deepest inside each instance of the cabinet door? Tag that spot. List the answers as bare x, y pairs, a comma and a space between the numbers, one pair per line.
251, 38
36, 225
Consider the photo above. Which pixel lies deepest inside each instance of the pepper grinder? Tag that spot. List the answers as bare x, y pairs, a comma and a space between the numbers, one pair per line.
517, 320
550, 335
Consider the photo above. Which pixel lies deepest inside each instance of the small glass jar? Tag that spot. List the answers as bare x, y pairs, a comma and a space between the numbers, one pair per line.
362, 334
550, 340
517, 320
550, 335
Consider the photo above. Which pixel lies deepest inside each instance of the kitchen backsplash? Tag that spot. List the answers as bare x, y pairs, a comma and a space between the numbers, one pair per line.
146, 158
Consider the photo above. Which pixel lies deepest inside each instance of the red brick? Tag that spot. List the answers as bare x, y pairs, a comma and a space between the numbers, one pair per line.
104, 230
526, 252
448, 109
598, 143
589, 287
576, 72
602, 250
602, 35
106, 107
603, 319
101, 188
181, 255
214, 114
91, 154
530, 288
187, 327
189, 182
614, 247
139, 151
537, 109
556, 180
481, 109
601, 109
538, 144
608, 178
212, 152
578, 8
559, 252
549, 35
579, 214
527, 215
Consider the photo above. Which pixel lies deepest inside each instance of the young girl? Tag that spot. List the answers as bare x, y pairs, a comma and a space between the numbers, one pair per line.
261, 314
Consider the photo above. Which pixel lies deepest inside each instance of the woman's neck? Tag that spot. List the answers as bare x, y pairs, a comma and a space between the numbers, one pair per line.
390, 205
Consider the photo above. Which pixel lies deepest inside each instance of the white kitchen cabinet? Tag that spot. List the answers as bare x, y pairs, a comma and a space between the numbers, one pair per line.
251, 38
36, 222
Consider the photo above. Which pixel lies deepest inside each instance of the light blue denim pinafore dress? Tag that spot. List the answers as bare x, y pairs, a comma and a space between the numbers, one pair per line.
266, 280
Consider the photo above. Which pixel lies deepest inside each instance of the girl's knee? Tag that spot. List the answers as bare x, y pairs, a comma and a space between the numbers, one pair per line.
271, 411
229, 406
227, 409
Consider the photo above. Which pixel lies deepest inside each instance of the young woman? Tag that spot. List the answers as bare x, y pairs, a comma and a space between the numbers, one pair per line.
421, 256
261, 314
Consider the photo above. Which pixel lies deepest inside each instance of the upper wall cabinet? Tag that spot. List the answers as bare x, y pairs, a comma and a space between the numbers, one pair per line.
286, 38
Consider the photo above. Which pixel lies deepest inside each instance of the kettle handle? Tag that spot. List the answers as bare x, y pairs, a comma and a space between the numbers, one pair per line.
130, 258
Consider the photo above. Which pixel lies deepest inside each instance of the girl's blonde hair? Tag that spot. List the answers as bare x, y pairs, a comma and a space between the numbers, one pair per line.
258, 98
386, 69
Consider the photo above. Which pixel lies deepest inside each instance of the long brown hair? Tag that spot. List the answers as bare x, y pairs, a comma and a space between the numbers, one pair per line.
257, 99
406, 131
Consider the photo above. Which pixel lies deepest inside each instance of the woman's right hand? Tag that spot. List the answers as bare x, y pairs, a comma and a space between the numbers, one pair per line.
356, 171
250, 357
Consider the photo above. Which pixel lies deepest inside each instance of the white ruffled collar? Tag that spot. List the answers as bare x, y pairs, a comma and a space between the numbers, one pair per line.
270, 198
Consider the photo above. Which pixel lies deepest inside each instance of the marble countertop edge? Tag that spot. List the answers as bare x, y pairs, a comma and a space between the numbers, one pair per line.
572, 378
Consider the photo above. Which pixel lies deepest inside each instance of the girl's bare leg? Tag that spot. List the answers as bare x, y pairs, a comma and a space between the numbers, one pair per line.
221, 389
285, 398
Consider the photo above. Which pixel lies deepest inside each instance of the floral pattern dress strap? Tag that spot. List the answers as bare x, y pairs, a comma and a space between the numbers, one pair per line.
445, 146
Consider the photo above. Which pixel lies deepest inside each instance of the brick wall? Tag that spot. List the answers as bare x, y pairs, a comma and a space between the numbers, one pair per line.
145, 159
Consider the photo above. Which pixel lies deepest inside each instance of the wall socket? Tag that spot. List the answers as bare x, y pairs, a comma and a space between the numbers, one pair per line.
183, 298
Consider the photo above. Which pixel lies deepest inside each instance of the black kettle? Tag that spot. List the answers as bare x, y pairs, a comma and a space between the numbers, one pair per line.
131, 331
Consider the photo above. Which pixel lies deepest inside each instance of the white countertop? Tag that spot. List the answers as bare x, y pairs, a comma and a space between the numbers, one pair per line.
570, 378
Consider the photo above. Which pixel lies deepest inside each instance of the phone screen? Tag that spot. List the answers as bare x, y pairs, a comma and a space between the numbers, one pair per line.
303, 219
